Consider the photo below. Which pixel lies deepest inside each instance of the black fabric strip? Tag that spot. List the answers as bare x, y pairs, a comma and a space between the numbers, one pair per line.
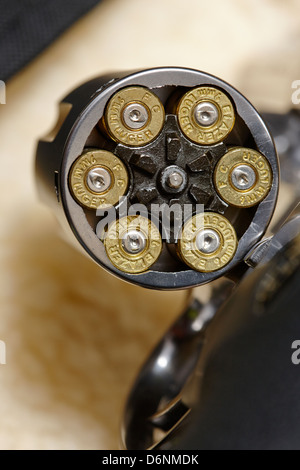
28, 26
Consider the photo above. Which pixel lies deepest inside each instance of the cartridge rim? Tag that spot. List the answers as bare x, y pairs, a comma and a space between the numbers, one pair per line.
120, 257
118, 128
83, 193
188, 244
236, 158
203, 134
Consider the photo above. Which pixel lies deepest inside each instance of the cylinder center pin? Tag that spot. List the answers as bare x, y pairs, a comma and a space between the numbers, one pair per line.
173, 179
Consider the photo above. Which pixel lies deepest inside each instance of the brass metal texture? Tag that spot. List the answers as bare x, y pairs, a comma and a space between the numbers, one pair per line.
119, 130
223, 177
136, 262
205, 135
199, 260
98, 159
